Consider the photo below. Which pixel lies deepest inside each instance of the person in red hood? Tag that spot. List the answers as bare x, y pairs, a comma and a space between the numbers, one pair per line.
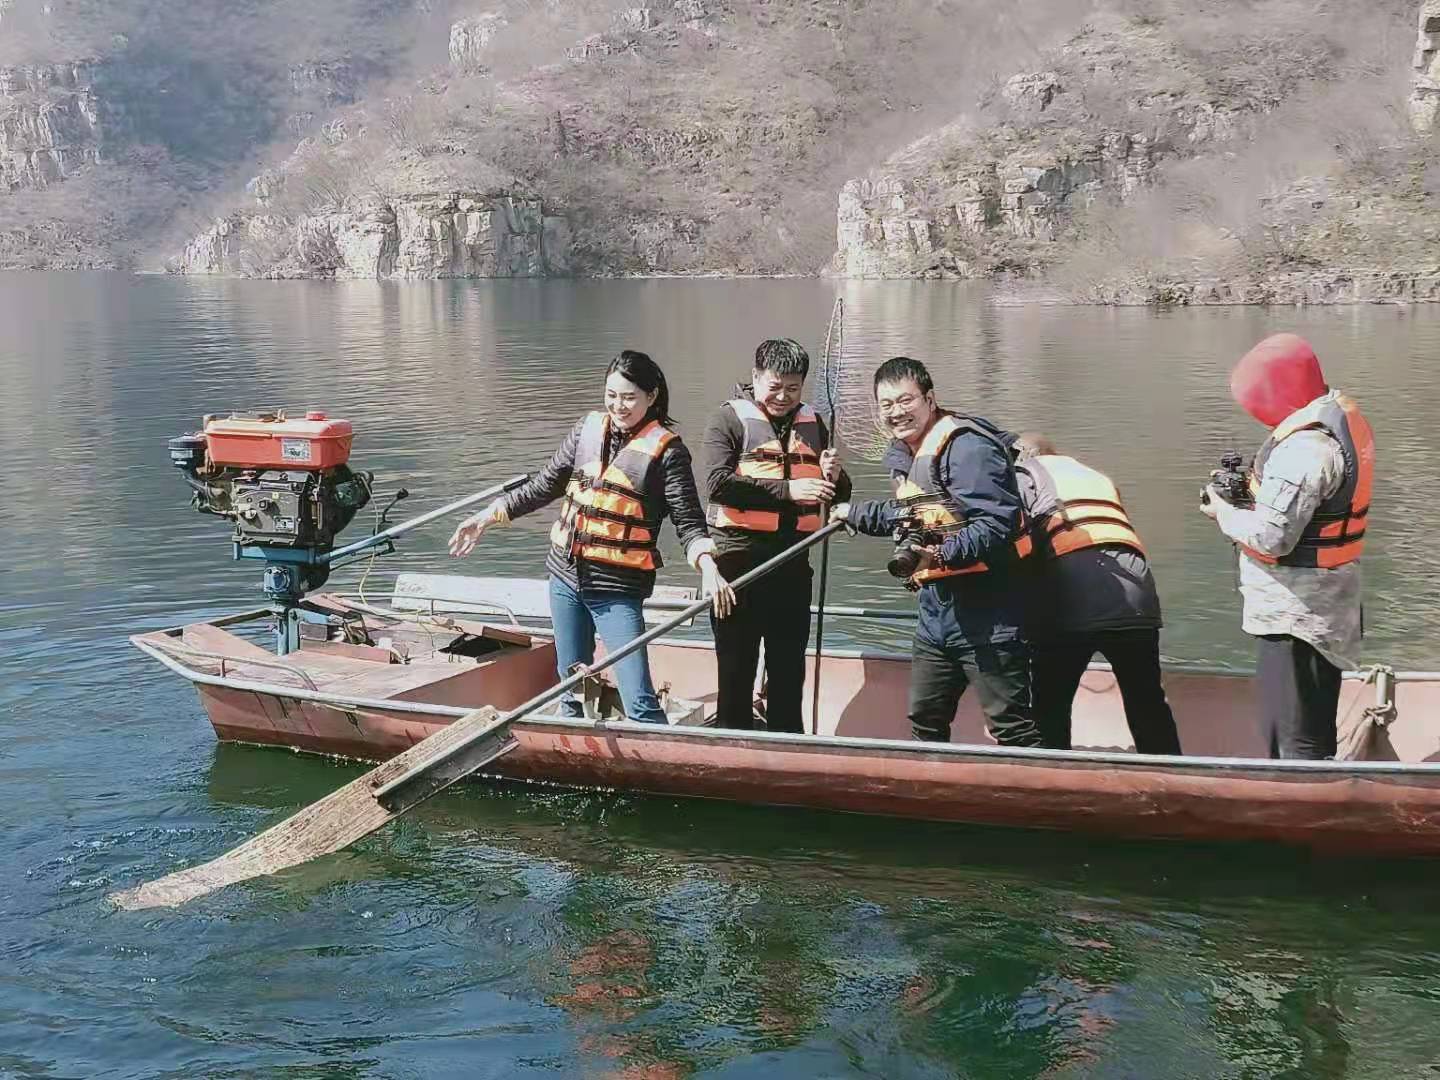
1300, 536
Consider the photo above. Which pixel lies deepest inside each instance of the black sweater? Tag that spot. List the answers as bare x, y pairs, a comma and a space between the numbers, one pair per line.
672, 494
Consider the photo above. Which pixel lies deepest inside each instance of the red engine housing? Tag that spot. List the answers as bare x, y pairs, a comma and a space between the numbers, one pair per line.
272, 441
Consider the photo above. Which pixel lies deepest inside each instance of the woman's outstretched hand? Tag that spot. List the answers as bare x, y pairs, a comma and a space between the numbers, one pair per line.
714, 586
467, 535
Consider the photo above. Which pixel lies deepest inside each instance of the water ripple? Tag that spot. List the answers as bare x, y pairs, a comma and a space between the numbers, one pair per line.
507, 932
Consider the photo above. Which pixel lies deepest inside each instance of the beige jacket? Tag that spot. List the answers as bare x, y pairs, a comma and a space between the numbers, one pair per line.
1322, 607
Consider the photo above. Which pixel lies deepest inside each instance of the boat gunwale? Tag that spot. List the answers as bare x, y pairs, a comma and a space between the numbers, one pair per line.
1177, 667
885, 747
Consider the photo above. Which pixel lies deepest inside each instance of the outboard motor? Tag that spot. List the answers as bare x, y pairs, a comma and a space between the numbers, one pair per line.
287, 486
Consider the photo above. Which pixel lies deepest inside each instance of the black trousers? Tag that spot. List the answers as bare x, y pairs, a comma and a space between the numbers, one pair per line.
777, 612
940, 674
1135, 655
1299, 697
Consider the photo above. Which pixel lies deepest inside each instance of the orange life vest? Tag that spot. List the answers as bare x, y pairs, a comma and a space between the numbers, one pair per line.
1075, 507
603, 517
762, 457
922, 494
1335, 534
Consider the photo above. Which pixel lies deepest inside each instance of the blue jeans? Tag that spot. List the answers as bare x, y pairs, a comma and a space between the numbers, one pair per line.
618, 618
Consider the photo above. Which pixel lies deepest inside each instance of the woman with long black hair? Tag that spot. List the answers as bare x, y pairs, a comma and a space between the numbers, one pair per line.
621, 472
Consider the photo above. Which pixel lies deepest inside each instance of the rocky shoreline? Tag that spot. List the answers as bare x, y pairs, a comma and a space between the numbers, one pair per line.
418, 236
1311, 288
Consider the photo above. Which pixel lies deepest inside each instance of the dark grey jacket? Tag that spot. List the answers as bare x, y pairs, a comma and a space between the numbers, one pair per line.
673, 495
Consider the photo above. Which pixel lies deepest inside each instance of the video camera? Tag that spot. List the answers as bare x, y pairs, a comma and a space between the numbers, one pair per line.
911, 537
1232, 481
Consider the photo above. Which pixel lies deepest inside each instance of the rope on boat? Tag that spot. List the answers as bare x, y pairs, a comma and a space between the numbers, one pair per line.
1384, 712
1355, 742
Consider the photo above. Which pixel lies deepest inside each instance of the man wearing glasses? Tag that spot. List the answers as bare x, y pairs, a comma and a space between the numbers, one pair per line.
958, 525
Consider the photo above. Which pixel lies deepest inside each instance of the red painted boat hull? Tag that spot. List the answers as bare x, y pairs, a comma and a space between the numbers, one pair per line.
862, 763
1337, 810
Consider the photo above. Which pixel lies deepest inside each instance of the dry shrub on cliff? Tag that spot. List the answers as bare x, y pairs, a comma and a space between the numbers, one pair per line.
100, 217
536, 32
1258, 52
1327, 173
732, 139
320, 181
206, 81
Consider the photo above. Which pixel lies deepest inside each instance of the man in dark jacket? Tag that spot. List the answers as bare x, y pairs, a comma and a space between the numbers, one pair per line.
1091, 591
955, 482
768, 466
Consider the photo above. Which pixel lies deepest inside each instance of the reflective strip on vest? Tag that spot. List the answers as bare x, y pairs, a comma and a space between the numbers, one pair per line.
1076, 507
922, 495
1335, 534
603, 517
763, 458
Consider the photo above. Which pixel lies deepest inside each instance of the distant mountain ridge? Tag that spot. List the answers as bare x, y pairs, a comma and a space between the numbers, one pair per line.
1122, 151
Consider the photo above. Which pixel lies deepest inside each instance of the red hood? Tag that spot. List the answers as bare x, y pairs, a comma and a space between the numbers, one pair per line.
1276, 377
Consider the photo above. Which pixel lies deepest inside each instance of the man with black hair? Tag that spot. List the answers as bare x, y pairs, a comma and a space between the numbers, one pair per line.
954, 479
768, 467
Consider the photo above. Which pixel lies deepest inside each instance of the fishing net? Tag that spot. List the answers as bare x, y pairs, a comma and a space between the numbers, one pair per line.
845, 391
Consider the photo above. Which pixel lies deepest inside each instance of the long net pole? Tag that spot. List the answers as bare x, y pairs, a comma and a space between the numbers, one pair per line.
830, 378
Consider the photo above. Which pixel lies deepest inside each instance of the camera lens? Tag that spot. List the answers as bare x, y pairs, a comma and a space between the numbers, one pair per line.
903, 563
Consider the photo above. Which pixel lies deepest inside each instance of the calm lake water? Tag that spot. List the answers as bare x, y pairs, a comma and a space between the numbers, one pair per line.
504, 932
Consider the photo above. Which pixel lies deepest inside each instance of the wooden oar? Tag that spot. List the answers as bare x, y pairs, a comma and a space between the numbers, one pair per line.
403, 782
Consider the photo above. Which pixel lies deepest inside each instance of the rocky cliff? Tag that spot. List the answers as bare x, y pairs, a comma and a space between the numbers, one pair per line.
681, 136
1424, 105
1145, 164
414, 236
118, 116
994, 191
1109, 150
495, 131
49, 124
470, 38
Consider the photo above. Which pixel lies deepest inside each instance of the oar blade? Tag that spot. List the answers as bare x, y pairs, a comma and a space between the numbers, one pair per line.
403, 782
322, 828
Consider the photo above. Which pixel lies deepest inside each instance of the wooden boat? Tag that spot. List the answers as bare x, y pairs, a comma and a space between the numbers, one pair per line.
397, 676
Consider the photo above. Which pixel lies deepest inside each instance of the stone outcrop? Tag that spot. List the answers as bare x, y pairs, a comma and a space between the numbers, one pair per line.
416, 236
321, 84
629, 26
692, 12
1424, 105
266, 187
49, 124
469, 38
979, 197
597, 46
221, 248
326, 82
897, 225
1033, 92
661, 245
